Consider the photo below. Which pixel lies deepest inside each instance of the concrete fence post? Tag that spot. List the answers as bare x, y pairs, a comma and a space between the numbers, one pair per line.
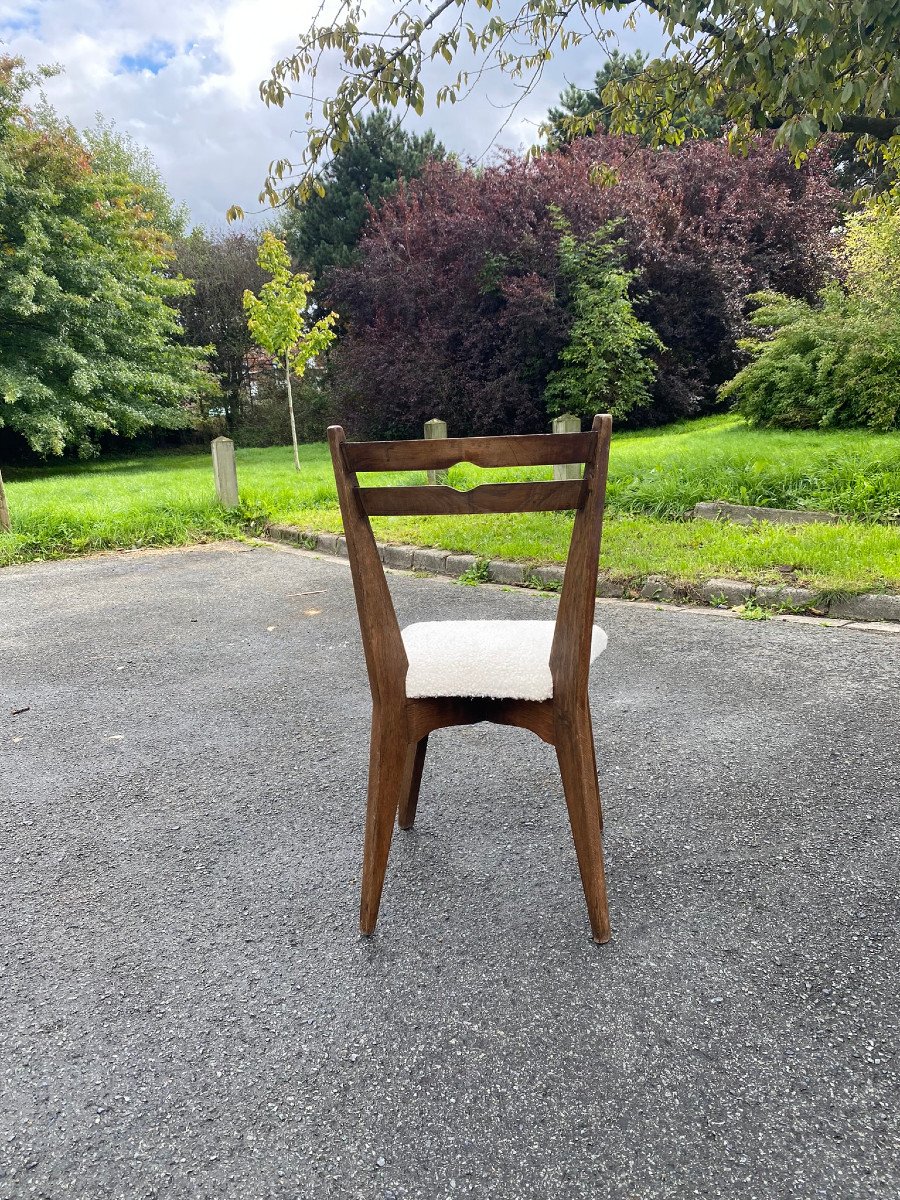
225, 472
5, 523
567, 423
436, 429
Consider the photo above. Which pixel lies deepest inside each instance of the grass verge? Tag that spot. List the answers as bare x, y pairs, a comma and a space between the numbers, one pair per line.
167, 499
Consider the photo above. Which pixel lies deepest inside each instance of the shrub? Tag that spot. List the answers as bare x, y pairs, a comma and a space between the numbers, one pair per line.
604, 365
459, 304
837, 363
264, 419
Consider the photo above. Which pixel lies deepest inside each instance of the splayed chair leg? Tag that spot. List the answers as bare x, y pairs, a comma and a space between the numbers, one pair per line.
577, 765
412, 779
387, 765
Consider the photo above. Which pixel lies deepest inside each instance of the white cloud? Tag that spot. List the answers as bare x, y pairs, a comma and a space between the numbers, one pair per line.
183, 79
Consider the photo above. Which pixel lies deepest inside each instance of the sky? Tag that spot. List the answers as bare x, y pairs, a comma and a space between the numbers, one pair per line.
183, 78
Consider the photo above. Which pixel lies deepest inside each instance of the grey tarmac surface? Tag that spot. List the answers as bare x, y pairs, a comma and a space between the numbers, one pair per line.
187, 1009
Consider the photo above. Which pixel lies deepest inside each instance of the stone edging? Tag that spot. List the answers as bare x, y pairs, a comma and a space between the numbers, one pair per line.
720, 593
750, 514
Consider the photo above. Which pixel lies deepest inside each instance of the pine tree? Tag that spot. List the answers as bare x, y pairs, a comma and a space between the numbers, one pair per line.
324, 231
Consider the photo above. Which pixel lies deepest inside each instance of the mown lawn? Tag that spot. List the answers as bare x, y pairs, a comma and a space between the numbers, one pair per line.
167, 499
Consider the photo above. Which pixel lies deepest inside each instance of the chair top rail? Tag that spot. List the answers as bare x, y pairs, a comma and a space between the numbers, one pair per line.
517, 450
438, 500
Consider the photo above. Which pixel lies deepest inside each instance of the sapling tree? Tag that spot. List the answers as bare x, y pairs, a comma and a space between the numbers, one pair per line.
277, 318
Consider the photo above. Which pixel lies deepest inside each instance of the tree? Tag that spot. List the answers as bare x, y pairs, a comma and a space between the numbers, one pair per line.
459, 303
90, 344
277, 320
118, 155
584, 109
837, 362
605, 365
222, 266
799, 67
324, 231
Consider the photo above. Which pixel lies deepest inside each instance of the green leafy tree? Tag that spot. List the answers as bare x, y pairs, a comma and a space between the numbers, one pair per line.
836, 363
585, 110
324, 231
277, 319
222, 266
118, 155
90, 343
800, 67
605, 365
872, 254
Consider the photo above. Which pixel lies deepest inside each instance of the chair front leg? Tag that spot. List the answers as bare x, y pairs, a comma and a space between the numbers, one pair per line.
577, 764
412, 779
387, 764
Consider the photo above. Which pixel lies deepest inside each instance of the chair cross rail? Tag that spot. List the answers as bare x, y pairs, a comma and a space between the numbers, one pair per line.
517, 450
537, 678
438, 499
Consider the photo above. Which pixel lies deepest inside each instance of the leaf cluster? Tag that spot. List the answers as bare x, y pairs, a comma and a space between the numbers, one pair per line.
118, 154
798, 67
277, 316
582, 112
323, 231
837, 362
222, 266
606, 365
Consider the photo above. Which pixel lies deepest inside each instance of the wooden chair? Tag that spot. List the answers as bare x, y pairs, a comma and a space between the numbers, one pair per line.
420, 683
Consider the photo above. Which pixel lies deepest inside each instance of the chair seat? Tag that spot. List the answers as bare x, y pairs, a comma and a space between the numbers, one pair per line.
500, 660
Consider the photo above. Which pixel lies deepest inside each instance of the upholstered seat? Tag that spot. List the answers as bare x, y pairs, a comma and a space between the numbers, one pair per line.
495, 659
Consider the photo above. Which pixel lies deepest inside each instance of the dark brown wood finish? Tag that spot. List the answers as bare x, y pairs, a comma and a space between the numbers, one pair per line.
520, 450
437, 500
400, 726
412, 778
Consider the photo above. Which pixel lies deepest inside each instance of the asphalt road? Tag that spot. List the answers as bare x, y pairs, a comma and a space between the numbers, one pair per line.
187, 1009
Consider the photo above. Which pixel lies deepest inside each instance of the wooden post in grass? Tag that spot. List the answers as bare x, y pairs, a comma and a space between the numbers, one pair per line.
225, 472
5, 523
567, 423
436, 429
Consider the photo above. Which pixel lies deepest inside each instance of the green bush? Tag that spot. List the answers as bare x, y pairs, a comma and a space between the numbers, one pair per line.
827, 367
838, 363
263, 419
606, 365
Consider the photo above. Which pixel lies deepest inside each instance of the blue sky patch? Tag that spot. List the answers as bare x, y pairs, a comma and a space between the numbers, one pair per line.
26, 20
152, 57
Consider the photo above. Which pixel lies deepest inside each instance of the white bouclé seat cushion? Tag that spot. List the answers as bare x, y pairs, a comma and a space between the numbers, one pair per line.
494, 659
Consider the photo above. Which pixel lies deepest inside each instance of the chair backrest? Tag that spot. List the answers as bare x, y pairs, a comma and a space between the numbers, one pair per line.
385, 656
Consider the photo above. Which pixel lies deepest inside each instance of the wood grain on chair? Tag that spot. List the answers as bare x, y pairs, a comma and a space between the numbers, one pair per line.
401, 725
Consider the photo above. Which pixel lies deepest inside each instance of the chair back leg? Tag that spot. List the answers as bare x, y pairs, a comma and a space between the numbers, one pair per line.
387, 771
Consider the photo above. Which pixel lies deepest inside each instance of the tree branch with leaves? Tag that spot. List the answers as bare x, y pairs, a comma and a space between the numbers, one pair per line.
800, 67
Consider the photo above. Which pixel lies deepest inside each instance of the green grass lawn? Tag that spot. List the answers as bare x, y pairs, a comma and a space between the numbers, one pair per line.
167, 499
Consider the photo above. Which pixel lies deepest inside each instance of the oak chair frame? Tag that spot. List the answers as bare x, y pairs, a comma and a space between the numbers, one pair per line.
401, 725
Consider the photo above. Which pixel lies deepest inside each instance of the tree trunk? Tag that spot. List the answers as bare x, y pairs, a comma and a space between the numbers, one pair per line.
287, 376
